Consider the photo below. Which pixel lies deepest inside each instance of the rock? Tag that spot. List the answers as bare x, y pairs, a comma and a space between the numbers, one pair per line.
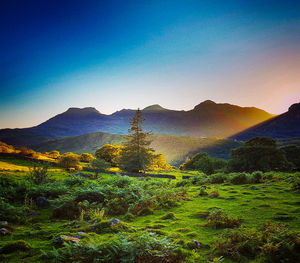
226, 183
32, 213
254, 188
4, 231
77, 226
72, 223
115, 221
37, 227
58, 241
194, 244
69, 239
3, 223
42, 201
198, 244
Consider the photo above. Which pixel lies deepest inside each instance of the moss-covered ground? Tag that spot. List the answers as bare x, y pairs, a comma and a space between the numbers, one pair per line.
254, 204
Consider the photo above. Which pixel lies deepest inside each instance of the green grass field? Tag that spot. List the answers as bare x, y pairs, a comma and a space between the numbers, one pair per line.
255, 204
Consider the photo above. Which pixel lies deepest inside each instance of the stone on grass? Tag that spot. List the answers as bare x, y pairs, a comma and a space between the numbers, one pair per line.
42, 201
4, 231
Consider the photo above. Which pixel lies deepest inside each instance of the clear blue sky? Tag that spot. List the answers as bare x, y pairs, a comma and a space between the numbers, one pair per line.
128, 54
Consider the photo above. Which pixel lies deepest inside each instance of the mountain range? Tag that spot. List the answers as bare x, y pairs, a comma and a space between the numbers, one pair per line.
177, 134
207, 119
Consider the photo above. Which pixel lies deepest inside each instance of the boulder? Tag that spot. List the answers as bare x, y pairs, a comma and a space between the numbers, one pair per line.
4, 231
42, 201
115, 221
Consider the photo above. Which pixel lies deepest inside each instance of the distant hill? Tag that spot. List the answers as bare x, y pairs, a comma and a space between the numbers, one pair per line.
207, 119
175, 148
286, 125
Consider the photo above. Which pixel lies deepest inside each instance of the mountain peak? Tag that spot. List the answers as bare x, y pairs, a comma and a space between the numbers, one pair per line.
82, 110
206, 103
295, 107
154, 107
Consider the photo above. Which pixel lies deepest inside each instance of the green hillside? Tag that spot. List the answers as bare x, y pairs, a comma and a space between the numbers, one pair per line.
175, 148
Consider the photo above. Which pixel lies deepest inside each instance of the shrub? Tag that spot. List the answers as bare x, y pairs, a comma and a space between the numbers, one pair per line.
218, 178
91, 194
146, 211
13, 190
204, 163
217, 220
198, 180
259, 153
9, 212
238, 178
49, 190
257, 176
99, 165
69, 160
66, 209
272, 243
86, 157
38, 175
14, 246
144, 247
239, 244
75, 180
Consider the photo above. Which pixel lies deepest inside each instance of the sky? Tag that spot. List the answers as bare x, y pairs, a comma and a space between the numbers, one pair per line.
128, 54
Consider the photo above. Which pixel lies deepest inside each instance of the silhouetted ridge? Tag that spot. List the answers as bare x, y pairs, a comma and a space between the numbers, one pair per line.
155, 107
286, 125
87, 110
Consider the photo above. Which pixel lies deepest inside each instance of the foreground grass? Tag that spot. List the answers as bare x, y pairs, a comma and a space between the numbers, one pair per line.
254, 204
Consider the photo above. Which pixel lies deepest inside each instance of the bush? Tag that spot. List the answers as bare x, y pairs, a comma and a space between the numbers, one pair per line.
238, 178
75, 180
38, 175
218, 178
66, 209
69, 160
86, 157
273, 243
204, 163
217, 220
10, 213
257, 176
144, 247
49, 190
14, 246
259, 153
12, 190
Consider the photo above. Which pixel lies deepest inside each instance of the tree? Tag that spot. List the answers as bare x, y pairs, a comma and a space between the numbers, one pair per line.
69, 160
258, 154
136, 155
109, 153
54, 154
86, 157
292, 153
158, 162
99, 165
204, 163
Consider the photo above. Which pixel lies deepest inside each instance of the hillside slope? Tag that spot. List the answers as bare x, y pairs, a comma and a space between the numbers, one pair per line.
175, 148
286, 125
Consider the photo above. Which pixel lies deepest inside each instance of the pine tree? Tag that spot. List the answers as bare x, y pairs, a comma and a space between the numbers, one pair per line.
136, 155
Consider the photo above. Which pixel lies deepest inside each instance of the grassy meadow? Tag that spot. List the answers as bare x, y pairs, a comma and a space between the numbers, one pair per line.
157, 220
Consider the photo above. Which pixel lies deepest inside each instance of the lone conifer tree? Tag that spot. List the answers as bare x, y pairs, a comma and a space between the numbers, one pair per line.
136, 155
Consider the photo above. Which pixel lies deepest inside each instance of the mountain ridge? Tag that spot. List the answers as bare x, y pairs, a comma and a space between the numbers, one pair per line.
207, 119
